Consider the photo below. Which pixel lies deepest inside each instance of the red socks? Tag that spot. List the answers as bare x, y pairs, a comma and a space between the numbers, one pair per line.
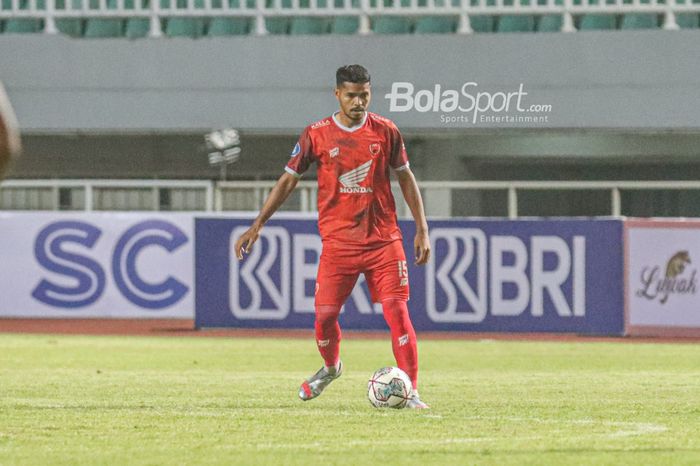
328, 333
403, 337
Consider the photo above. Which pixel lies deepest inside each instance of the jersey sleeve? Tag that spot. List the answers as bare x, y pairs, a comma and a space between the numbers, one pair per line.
302, 155
399, 158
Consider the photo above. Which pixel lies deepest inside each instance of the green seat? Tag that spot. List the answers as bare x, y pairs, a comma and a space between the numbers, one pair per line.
104, 28
549, 23
70, 27
23, 26
278, 26
435, 25
341, 3
481, 23
131, 4
184, 27
688, 20
304, 26
137, 28
228, 27
639, 21
345, 25
391, 25
516, 23
597, 22
390, 3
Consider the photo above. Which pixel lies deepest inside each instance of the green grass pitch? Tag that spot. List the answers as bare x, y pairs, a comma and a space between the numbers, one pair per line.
67, 400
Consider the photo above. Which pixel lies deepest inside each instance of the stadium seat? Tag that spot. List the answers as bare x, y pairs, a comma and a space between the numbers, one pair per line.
481, 23
549, 23
184, 27
306, 25
228, 27
639, 21
278, 26
345, 25
23, 26
688, 20
516, 23
104, 28
597, 22
70, 27
391, 25
137, 28
130, 4
435, 25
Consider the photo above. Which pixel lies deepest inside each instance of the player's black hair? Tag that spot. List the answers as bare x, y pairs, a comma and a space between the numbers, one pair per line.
351, 74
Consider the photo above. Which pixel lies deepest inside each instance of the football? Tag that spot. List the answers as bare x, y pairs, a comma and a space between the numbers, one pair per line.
389, 387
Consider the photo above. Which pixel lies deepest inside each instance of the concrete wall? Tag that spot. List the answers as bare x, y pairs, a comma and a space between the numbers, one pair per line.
616, 79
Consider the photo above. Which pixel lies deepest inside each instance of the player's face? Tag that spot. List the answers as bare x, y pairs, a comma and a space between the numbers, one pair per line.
353, 99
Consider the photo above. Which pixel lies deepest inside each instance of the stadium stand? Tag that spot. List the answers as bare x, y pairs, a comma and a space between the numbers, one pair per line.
135, 19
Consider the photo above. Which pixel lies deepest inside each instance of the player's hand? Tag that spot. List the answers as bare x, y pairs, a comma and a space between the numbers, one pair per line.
422, 247
244, 244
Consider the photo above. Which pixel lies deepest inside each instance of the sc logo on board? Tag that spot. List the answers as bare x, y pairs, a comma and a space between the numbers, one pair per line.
59, 247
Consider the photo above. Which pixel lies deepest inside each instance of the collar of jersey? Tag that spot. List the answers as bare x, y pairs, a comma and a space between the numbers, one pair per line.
345, 128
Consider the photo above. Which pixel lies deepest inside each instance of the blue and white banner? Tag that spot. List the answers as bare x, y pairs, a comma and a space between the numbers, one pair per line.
96, 265
505, 276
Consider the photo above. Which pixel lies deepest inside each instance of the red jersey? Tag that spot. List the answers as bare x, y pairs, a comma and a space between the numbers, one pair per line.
355, 204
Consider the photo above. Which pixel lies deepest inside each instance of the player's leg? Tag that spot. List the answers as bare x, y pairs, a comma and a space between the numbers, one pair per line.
403, 337
334, 283
328, 334
388, 283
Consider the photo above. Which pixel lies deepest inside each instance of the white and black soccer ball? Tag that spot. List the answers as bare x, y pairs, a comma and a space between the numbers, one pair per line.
389, 387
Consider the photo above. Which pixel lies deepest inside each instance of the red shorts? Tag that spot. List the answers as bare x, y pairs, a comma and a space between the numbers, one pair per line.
384, 268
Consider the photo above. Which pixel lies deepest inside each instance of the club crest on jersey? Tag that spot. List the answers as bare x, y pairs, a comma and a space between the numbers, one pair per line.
351, 180
334, 152
296, 150
374, 149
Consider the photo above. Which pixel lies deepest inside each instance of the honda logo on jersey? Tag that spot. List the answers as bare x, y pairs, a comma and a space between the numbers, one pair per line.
353, 178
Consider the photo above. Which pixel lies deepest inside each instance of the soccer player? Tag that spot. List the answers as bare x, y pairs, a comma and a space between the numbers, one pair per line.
354, 151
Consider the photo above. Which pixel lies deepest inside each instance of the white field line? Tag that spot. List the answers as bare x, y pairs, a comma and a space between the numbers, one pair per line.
626, 429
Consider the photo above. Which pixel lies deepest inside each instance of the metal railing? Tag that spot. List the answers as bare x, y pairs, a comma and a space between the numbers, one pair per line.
259, 10
442, 198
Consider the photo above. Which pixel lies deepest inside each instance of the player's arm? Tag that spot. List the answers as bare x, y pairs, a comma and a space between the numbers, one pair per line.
411, 194
9, 134
283, 188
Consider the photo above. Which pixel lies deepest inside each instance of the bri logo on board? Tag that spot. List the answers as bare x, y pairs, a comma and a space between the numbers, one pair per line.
473, 275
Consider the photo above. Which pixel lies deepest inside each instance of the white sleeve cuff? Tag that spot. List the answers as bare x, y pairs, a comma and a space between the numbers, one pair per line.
402, 167
292, 172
